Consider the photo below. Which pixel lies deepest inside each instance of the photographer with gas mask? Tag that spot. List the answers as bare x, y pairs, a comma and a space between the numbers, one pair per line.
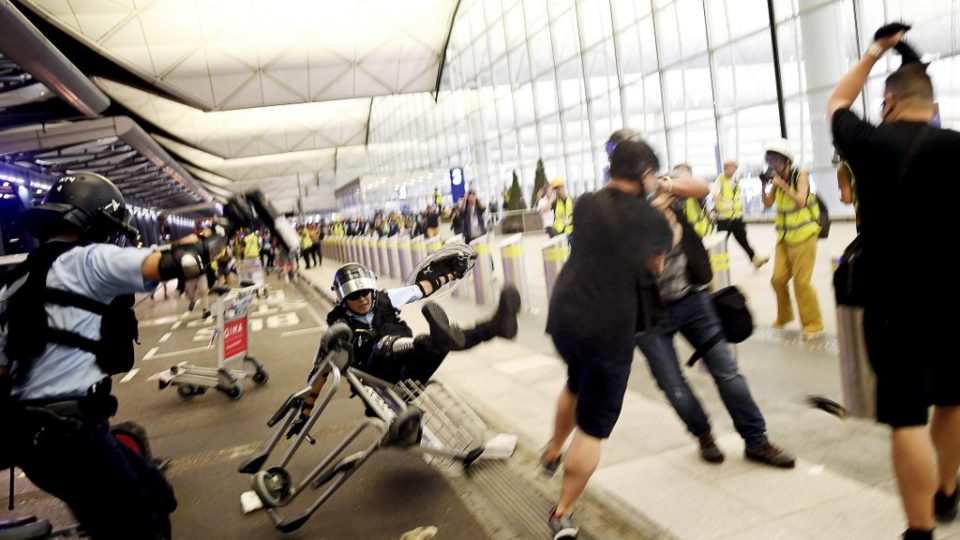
911, 347
798, 228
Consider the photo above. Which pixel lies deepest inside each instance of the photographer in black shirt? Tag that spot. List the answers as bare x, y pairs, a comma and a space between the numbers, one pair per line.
910, 347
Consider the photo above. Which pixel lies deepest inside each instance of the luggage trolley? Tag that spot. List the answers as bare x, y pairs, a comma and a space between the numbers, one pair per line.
427, 419
251, 274
231, 335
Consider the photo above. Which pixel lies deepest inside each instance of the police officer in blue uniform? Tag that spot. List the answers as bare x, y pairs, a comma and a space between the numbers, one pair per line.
56, 357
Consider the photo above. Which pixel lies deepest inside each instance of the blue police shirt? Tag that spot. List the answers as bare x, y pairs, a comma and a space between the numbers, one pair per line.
97, 271
399, 297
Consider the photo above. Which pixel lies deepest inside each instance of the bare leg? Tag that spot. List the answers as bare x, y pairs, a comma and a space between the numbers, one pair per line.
578, 466
913, 462
563, 424
945, 431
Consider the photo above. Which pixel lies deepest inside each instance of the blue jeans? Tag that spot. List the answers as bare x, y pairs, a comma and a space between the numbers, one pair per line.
695, 318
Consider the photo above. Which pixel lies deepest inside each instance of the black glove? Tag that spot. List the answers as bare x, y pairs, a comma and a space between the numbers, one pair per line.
297, 426
888, 30
459, 265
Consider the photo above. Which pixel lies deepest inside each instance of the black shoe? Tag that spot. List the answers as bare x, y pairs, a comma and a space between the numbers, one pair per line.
944, 507
769, 454
443, 335
914, 534
504, 320
709, 450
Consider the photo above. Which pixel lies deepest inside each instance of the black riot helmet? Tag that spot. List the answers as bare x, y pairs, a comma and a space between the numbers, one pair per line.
84, 203
353, 277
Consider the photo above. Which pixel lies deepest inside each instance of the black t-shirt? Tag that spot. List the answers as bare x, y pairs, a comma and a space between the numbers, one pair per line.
906, 210
433, 220
595, 299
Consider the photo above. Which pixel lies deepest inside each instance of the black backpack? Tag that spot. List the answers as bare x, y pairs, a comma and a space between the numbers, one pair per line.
824, 217
735, 320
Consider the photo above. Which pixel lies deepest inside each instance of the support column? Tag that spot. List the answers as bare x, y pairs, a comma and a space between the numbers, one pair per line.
823, 34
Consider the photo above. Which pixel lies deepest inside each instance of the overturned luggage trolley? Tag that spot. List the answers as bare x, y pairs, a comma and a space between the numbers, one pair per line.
231, 335
427, 419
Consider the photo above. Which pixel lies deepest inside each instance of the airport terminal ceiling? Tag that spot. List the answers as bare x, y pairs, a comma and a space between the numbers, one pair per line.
256, 91
300, 97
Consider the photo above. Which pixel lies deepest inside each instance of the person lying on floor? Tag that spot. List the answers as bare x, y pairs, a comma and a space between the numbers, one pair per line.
384, 345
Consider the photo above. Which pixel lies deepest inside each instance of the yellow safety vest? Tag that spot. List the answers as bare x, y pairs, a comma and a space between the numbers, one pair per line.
338, 229
563, 216
305, 241
728, 203
697, 217
796, 225
251, 246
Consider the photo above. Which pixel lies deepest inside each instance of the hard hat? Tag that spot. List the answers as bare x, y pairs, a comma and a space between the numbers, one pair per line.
782, 147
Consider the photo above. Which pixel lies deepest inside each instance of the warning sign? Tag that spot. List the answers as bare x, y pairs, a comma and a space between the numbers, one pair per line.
234, 338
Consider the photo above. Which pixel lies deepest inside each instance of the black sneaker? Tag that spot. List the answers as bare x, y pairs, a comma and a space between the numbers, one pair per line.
443, 335
709, 450
914, 534
562, 527
769, 454
504, 320
944, 507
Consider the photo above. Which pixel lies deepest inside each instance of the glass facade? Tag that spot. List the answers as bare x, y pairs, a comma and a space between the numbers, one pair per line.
551, 79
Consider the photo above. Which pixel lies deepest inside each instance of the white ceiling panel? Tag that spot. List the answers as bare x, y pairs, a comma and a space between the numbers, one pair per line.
174, 43
266, 89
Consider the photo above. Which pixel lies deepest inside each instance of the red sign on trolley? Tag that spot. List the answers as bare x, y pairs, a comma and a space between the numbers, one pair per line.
234, 338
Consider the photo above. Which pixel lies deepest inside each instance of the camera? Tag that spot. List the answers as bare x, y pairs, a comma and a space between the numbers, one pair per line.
767, 175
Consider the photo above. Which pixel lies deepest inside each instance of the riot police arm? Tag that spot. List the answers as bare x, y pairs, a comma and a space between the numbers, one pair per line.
439, 273
189, 257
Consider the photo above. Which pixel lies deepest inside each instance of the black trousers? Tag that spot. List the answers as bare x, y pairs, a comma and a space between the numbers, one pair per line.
418, 363
739, 230
110, 489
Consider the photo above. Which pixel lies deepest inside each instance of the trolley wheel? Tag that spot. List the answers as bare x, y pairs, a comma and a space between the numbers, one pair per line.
405, 430
260, 377
187, 391
235, 392
274, 486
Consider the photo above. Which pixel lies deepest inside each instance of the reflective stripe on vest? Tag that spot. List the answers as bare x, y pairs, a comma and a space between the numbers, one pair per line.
795, 225
728, 203
563, 216
697, 217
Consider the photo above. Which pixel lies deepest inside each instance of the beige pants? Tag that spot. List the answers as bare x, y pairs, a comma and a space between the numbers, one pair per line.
797, 262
